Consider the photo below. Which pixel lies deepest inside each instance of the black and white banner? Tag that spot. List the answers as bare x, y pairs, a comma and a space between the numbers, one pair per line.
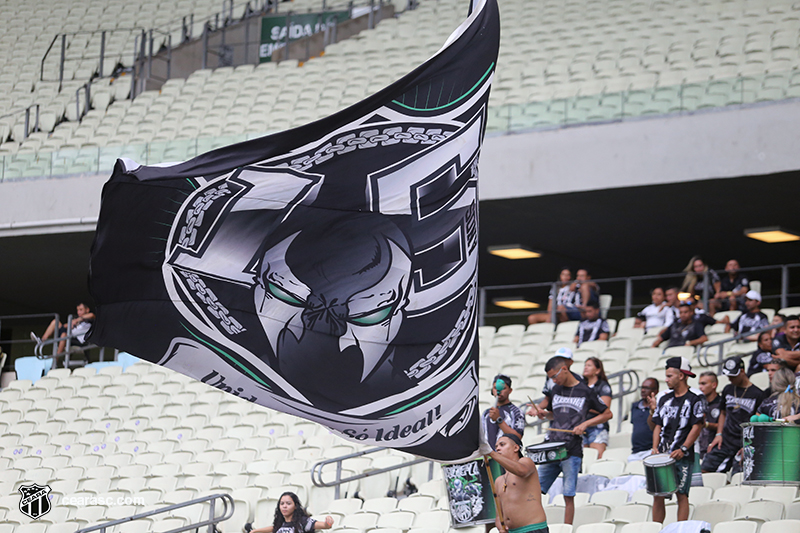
329, 271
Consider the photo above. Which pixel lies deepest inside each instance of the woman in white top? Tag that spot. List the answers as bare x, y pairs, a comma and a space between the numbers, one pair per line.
655, 315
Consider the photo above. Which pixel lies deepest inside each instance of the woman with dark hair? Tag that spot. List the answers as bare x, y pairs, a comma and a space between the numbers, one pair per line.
291, 517
763, 354
597, 436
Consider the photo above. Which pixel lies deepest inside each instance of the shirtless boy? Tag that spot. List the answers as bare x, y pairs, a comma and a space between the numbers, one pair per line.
518, 490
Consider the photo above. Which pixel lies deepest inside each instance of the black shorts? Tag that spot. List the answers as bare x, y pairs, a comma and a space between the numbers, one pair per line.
718, 460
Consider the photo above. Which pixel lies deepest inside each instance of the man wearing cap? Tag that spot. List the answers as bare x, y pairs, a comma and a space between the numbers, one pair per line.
504, 417
687, 331
518, 490
569, 407
678, 419
740, 400
786, 345
540, 410
750, 320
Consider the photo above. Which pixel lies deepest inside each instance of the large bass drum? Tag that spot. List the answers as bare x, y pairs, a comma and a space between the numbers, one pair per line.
661, 475
771, 453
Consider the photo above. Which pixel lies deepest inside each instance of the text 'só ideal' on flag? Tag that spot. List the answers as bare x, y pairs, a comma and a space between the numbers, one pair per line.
328, 271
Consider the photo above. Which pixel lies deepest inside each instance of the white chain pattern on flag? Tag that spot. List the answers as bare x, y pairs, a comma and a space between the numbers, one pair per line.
421, 367
370, 139
207, 296
194, 216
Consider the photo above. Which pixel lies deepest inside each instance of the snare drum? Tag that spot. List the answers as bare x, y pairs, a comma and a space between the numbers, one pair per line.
547, 452
661, 475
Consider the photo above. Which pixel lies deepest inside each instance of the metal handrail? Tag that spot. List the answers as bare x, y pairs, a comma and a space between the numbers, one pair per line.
316, 470
55, 341
624, 389
227, 502
55, 316
702, 353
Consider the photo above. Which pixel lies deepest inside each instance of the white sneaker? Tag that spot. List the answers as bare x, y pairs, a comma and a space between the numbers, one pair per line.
35, 339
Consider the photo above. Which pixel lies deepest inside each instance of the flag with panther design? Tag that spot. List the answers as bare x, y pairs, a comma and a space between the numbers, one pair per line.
328, 271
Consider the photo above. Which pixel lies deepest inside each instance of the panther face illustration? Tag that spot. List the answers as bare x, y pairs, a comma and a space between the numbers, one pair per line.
330, 296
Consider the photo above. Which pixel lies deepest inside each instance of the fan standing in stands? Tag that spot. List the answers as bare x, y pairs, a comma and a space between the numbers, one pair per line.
505, 417
687, 331
547, 390
752, 319
678, 420
518, 490
740, 400
708, 386
656, 314
291, 517
786, 345
593, 327
642, 421
569, 410
564, 298
731, 291
595, 377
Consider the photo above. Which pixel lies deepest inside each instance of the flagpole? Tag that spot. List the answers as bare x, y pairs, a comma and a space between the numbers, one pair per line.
486, 459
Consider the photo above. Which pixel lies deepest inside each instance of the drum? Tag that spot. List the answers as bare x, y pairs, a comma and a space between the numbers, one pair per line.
469, 493
771, 454
547, 452
661, 475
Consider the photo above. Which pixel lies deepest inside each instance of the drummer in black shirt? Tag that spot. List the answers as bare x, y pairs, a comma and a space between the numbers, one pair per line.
569, 408
740, 401
678, 420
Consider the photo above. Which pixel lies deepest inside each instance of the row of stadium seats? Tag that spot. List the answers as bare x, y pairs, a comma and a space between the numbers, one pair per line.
71, 431
26, 79
672, 57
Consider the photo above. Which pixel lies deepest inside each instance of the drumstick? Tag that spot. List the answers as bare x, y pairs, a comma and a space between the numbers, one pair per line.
561, 430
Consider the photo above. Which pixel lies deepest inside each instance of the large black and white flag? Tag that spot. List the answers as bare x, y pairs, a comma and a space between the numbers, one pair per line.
329, 271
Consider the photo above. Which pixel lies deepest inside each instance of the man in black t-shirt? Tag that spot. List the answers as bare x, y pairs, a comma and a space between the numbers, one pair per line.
569, 409
678, 420
786, 345
750, 320
504, 417
708, 386
740, 400
642, 435
547, 391
687, 331
592, 327
731, 289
